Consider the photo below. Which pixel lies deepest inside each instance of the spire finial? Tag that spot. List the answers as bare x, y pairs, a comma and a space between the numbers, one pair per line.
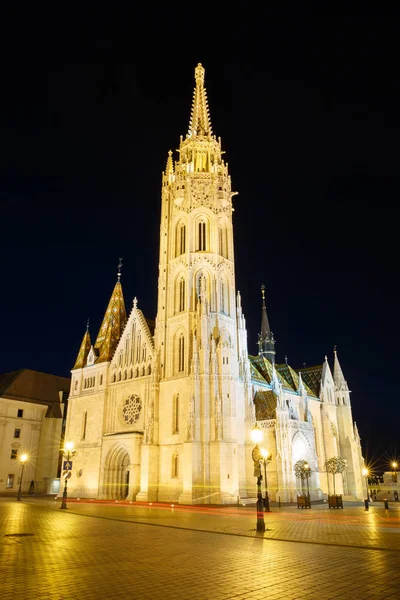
263, 293
199, 123
87, 324
334, 348
199, 74
119, 268
285, 359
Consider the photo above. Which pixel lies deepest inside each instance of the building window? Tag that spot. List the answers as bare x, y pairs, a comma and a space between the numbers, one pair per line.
101, 379
10, 480
17, 433
76, 385
182, 295
223, 241
84, 423
181, 240
175, 414
201, 234
181, 353
20, 413
175, 465
222, 286
14, 454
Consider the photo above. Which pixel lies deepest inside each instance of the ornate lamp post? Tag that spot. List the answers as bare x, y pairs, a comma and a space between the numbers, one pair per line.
22, 460
365, 473
68, 453
256, 436
394, 467
266, 459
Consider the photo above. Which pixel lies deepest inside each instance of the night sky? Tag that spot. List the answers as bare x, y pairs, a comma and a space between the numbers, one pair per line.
308, 112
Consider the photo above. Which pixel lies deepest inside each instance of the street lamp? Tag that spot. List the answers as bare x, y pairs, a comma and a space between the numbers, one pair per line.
22, 460
394, 466
256, 436
365, 473
266, 459
68, 453
307, 474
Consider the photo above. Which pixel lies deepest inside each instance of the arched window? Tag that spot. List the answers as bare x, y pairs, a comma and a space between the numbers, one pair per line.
182, 295
180, 239
223, 241
175, 414
175, 465
222, 296
181, 353
149, 370
201, 236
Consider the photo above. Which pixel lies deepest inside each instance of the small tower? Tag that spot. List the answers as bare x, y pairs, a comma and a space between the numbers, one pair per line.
266, 342
83, 350
113, 324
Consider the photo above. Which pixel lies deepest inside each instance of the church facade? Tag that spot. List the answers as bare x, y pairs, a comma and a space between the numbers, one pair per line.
163, 412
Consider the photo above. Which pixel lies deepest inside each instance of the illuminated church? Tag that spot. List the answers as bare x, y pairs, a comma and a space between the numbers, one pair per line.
163, 411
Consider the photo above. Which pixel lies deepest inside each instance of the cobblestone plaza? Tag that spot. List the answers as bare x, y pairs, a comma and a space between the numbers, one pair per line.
99, 550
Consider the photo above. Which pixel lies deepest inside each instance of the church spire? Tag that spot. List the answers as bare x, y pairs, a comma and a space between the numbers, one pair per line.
200, 122
338, 376
266, 342
113, 324
83, 350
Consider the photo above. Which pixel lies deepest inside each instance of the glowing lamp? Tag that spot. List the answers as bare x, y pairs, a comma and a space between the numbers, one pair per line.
256, 434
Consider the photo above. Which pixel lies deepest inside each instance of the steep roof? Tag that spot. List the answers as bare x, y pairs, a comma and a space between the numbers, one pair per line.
292, 377
33, 386
312, 378
264, 368
113, 324
265, 404
83, 351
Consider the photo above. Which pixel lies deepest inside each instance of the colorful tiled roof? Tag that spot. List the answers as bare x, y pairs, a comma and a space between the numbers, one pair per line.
265, 404
292, 377
312, 378
112, 326
83, 351
264, 368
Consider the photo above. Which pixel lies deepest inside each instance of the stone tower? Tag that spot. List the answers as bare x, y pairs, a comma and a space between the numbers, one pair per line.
200, 336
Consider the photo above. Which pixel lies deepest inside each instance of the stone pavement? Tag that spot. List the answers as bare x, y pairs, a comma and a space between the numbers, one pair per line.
97, 550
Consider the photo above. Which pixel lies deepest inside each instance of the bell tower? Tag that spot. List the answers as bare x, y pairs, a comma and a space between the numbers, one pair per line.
201, 397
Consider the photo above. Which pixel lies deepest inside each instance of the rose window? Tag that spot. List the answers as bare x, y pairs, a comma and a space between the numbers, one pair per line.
131, 409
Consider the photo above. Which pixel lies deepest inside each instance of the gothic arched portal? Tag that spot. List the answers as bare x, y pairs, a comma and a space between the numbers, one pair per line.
115, 475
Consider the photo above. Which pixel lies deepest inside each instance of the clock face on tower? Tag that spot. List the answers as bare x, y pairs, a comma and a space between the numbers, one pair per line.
131, 409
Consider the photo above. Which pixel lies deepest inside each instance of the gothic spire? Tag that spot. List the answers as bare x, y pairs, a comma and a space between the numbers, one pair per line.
83, 350
113, 324
338, 377
200, 122
266, 342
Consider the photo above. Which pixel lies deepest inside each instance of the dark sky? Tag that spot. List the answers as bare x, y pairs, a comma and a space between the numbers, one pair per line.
308, 111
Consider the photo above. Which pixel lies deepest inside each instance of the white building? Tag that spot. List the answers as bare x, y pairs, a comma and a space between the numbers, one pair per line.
166, 414
32, 406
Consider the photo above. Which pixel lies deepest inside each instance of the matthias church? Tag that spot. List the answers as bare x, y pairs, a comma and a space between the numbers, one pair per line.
162, 410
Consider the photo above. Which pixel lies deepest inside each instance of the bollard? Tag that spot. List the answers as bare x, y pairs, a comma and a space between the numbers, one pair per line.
386, 503
366, 505
279, 498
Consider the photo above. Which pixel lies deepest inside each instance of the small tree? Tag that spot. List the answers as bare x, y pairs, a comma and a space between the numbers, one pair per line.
333, 466
303, 470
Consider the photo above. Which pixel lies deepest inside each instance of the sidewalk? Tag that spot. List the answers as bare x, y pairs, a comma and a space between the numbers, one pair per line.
353, 526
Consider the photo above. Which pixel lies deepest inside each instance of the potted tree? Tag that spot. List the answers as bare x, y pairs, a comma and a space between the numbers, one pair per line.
303, 470
334, 466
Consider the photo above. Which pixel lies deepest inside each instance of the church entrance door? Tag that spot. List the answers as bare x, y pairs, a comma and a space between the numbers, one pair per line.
116, 474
